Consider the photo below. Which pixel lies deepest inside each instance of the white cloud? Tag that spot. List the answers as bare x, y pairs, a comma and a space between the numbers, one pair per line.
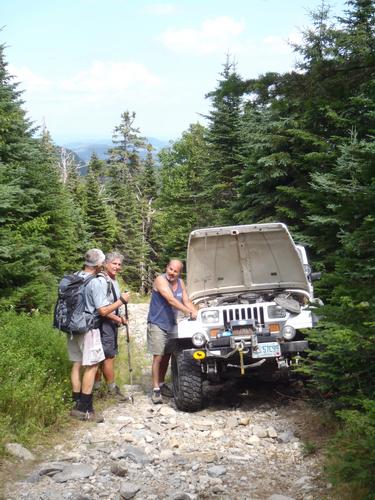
28, 79
281, 45
111, 76
160, 9
214, 35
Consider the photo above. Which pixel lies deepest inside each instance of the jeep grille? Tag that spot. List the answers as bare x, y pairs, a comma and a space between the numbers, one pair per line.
246, 312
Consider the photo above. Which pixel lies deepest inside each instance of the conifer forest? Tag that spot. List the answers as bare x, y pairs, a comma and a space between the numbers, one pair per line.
296, 148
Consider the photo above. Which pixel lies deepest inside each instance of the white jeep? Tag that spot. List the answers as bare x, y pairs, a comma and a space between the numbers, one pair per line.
253, 287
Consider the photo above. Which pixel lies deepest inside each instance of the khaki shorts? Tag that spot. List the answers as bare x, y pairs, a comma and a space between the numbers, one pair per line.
86, 348
159, 341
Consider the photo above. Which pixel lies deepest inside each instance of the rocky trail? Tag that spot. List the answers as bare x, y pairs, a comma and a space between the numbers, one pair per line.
250, 442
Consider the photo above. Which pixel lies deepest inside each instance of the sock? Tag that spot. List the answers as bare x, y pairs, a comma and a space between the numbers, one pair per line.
76, 396
157, 389
111, 386
97, 384
85, 403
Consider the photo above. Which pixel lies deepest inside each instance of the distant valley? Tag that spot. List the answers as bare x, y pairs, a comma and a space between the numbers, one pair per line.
85, 149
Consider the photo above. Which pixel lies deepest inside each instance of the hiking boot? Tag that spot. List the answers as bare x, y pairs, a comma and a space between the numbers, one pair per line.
90, 416
115, 392
156, 397
166, 391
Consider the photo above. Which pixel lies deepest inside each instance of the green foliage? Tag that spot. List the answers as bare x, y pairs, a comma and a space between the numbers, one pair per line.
183, 204
352, 452
34, 376
225, 162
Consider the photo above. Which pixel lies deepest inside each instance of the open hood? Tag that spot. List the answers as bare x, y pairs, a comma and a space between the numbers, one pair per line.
248, 258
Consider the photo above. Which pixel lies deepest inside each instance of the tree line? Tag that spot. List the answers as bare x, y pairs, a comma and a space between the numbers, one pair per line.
296, 147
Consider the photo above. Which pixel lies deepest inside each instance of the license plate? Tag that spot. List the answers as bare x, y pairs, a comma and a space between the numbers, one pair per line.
267, 350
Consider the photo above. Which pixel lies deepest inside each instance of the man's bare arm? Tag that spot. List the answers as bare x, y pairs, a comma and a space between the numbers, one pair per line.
187, 302
162, 287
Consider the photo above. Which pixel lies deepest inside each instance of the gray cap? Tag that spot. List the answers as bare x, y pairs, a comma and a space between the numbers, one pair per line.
94, 257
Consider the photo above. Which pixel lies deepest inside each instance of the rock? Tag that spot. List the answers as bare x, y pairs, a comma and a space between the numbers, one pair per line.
167, 411
133, 453
286, 436
253, 440
279, 497
271, 432
244, 421
128, 490
119, 469
180, 496
166, 455
217, 434
204, 423
216, 471
173, 443
259, 431
70, 472
128, 438
19, 451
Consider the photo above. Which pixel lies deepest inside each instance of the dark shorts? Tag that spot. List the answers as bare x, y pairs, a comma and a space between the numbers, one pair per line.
108, 333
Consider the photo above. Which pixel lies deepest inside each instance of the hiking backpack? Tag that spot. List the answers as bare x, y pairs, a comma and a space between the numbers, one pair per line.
69, 315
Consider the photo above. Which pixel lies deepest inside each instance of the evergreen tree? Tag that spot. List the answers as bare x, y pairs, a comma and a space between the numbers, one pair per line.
225, 141
124, 169
100, 218
183, 203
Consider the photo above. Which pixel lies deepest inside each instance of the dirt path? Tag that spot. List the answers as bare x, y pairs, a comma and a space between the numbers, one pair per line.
250, 442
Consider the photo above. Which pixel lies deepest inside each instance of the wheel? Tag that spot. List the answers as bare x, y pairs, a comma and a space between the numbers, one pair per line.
187, 382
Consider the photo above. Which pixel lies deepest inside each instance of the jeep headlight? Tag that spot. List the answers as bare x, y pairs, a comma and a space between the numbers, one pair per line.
210, 316
275, 312
288, 332
198, 339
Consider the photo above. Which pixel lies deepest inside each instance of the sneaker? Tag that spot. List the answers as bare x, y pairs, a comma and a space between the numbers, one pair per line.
116, 393
156, 397
91, 416
166, 391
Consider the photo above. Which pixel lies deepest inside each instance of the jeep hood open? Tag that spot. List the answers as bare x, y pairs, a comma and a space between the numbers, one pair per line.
248, 258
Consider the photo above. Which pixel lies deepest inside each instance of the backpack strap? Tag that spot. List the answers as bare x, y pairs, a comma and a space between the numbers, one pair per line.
88, 279
109, 283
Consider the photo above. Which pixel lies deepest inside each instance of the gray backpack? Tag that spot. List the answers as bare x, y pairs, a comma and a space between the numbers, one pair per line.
69, 315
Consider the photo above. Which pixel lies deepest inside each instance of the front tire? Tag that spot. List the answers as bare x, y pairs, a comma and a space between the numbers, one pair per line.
187, 382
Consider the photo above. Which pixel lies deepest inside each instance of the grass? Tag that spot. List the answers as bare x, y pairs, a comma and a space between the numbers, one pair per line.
34, 377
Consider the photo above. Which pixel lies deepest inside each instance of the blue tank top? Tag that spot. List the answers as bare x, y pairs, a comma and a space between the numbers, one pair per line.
161, 313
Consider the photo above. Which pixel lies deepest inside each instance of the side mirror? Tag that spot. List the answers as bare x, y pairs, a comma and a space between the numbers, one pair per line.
315, 276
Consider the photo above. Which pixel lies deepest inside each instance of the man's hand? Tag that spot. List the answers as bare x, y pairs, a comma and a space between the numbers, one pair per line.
193, 314
125, 296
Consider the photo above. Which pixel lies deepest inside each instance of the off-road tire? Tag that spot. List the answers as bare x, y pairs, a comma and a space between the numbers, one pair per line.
187, 382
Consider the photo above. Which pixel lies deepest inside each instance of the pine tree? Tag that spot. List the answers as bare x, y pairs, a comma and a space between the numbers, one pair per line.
183, 203
225, 140
124, 170
100, 218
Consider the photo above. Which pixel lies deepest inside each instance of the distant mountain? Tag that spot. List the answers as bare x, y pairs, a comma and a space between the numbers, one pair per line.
77, 159
85, 149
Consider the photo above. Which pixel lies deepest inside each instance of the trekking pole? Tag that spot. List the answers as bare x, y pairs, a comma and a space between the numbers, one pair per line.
131, 397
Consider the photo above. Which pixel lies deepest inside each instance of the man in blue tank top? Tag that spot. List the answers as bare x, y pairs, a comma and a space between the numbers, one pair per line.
168, 297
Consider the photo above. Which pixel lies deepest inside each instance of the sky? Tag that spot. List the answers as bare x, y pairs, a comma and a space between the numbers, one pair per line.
81, 63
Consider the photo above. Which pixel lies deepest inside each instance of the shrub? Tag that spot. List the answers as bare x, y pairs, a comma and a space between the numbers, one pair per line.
34, 375
352, 452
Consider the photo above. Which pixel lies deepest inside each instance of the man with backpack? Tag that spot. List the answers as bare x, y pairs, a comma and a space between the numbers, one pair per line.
85, 349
